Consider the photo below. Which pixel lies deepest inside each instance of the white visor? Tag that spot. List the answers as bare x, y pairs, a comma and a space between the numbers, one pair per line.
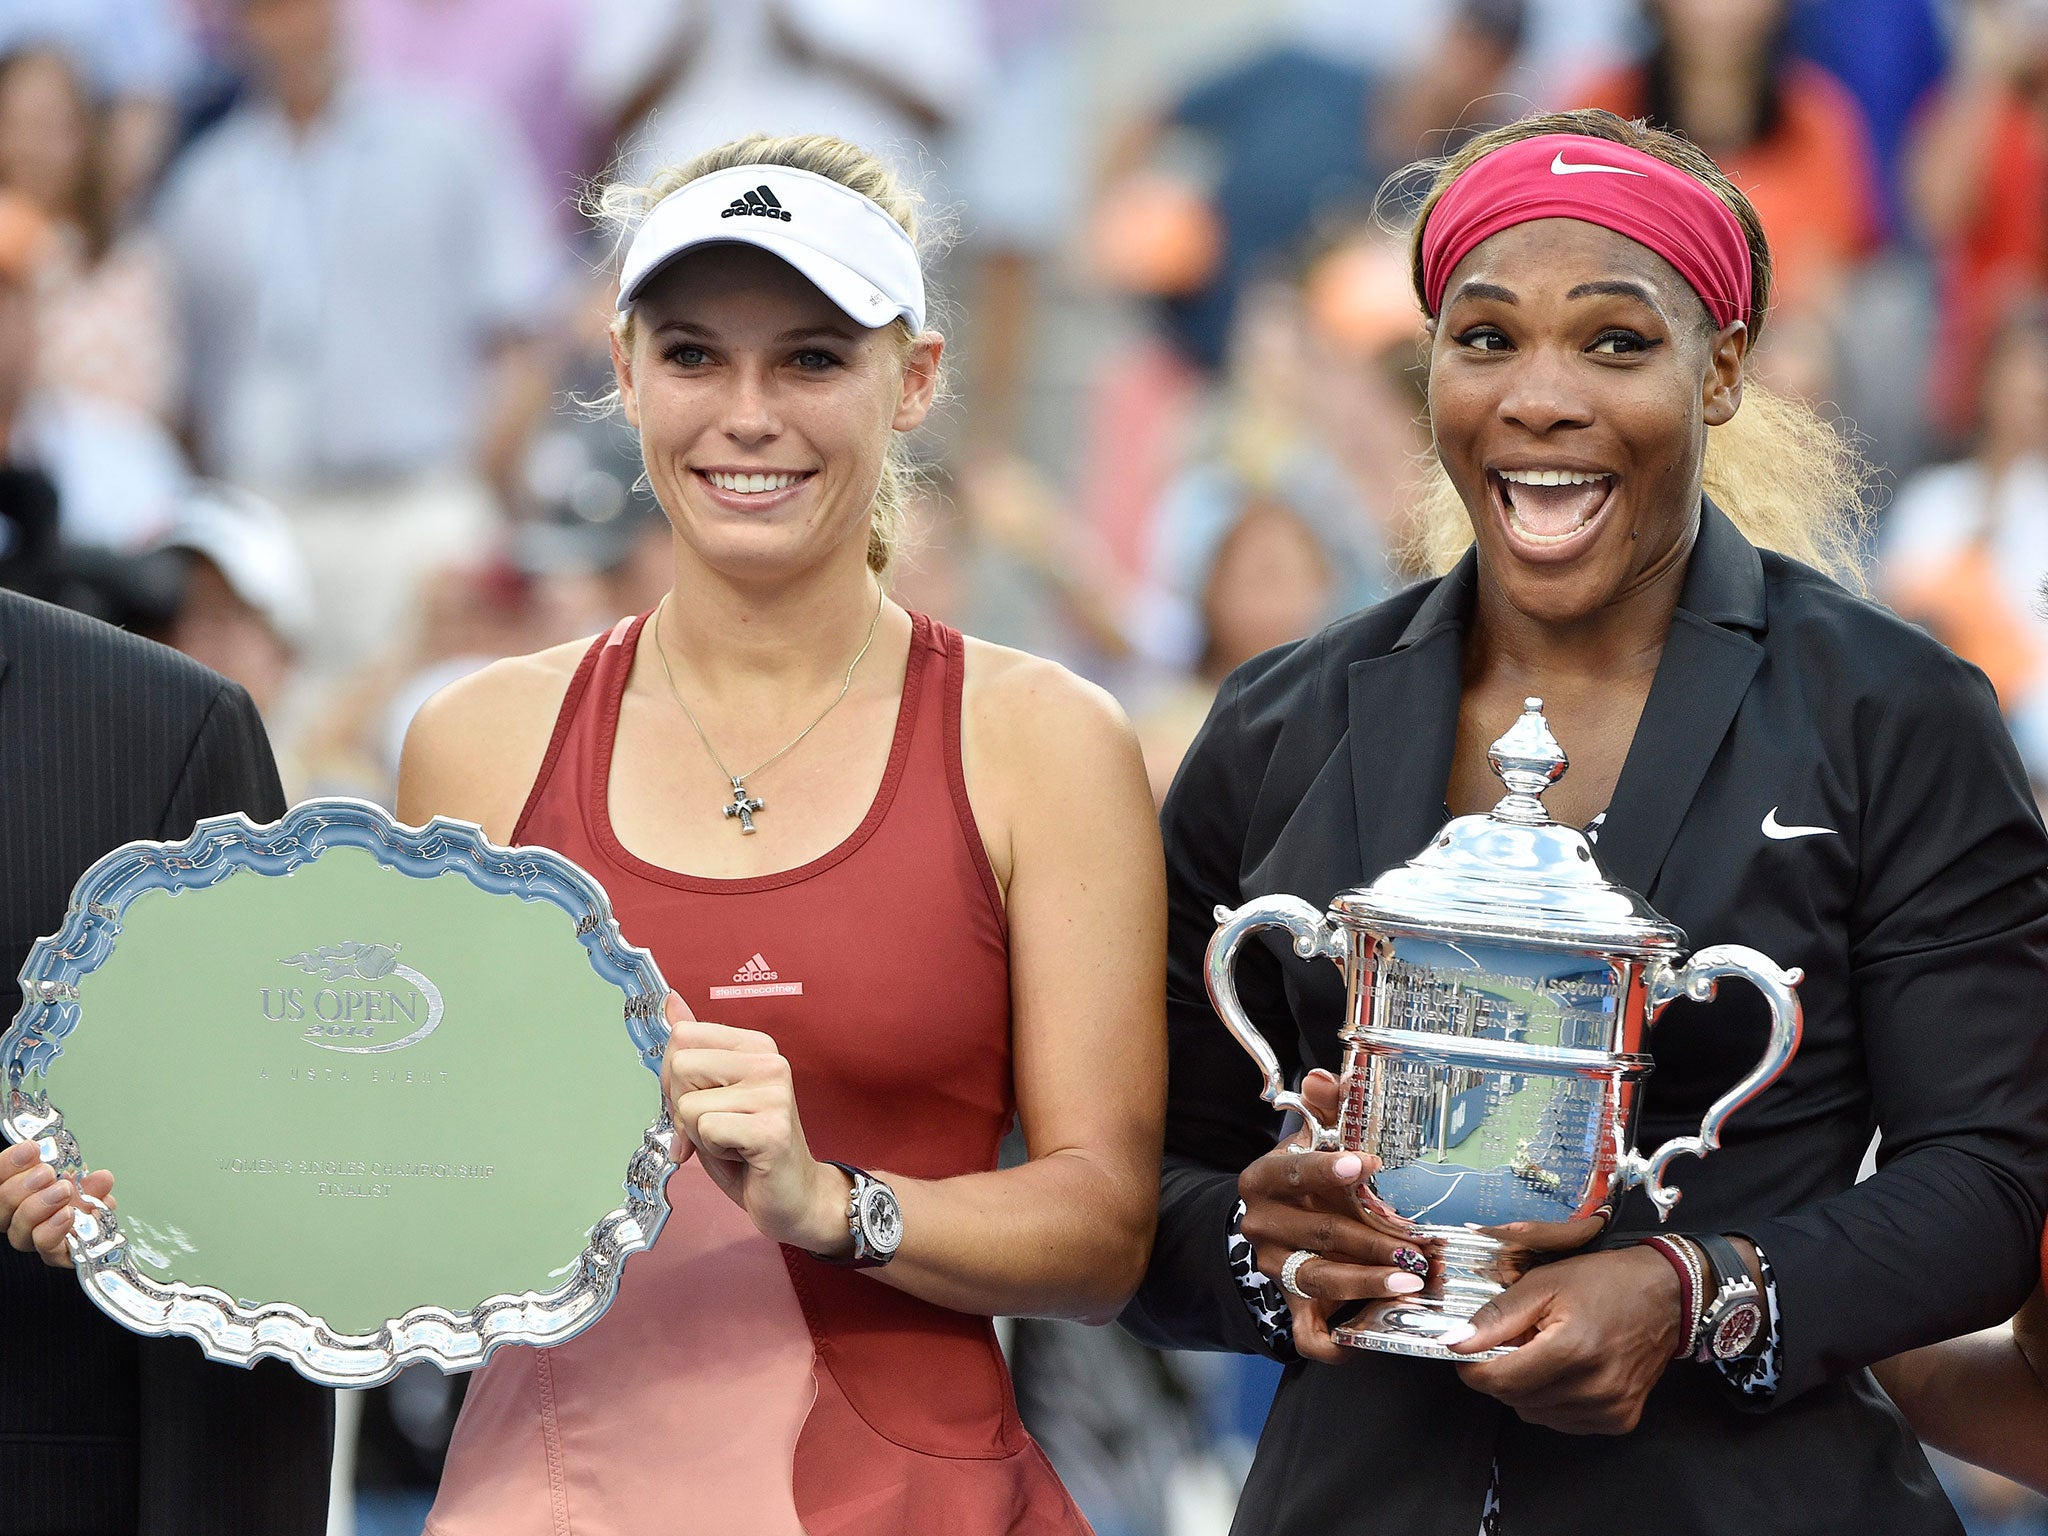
857, 255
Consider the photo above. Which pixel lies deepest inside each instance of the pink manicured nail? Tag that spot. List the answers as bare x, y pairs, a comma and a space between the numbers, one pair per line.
1400, 1283
1348, 1167
1457, 1335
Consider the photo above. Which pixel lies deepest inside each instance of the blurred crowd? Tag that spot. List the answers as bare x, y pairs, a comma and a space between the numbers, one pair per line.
301, 318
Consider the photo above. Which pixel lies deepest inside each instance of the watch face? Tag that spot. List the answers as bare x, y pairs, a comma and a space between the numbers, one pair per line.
881, 1218
1736, 1329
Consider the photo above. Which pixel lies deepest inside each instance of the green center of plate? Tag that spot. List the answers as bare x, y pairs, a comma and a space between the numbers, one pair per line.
353, 1091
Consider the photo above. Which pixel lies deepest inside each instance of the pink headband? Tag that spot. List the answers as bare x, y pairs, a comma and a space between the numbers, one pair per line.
1574, 176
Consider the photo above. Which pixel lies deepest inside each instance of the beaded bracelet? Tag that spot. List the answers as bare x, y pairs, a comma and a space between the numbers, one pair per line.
1692, 1287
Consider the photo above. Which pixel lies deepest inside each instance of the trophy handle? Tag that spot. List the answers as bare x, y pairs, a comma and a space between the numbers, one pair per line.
1313, 935
1697, 979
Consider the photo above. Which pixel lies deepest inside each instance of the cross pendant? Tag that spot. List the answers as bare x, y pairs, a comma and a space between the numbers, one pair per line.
743, 806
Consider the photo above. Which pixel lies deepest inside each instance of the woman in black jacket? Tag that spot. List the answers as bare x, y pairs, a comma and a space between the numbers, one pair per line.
1770, 760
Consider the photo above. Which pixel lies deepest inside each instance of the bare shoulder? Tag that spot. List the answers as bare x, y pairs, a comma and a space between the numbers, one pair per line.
1035, 712
1050, 760
474, 748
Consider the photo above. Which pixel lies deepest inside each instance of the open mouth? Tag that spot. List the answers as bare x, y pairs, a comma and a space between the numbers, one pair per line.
1550, 513
744, 486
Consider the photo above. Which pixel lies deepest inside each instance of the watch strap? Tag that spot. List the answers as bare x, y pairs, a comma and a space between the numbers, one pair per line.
864, 1255
1725, 1269
1729, 1282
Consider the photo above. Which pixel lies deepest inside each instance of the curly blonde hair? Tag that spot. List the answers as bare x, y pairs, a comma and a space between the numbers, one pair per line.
622, 205
1790, 480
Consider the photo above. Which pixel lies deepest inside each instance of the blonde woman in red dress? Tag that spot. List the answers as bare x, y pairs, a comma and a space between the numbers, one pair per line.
908, 884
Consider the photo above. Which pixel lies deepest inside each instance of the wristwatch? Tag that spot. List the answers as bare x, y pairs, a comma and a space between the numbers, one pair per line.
873, 1217
1733, 1324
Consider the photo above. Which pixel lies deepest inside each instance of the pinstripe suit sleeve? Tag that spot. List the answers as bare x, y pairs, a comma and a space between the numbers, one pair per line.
228, 768
105, 738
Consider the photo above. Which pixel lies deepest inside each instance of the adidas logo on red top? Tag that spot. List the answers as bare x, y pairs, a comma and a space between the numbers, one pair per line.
757, 978
761, 203
756, 969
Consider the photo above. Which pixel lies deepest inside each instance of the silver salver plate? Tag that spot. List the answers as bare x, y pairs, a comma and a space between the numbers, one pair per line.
372, 1094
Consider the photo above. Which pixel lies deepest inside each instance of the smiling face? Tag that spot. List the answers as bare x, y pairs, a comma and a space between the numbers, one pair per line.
1573, 376
764, 412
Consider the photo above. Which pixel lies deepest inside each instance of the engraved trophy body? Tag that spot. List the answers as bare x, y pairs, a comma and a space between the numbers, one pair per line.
1499, 995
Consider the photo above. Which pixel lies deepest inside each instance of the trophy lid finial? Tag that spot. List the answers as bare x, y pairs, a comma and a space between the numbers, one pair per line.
1528, 760
1514, 873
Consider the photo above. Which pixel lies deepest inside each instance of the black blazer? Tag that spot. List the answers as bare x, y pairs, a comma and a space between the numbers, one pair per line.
105, 738
1921, 921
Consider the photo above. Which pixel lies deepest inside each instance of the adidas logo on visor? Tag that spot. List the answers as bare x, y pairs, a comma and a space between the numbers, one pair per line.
759, 203
844, 242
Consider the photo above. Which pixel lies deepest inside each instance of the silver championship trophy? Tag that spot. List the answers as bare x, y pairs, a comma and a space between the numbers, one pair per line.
1498, 994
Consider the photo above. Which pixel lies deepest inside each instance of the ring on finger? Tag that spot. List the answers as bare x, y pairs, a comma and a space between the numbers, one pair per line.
1290, 1271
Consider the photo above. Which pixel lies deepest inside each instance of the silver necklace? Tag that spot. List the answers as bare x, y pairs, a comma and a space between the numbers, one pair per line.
744, 805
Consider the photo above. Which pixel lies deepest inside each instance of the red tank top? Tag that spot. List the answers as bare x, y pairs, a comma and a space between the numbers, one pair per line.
881, 969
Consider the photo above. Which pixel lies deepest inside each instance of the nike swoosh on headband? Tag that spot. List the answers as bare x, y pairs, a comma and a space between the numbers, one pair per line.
1563, 167
1773, 828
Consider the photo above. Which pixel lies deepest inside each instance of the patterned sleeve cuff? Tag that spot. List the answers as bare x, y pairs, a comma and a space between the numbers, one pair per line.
1262, 1298
1754, 1376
